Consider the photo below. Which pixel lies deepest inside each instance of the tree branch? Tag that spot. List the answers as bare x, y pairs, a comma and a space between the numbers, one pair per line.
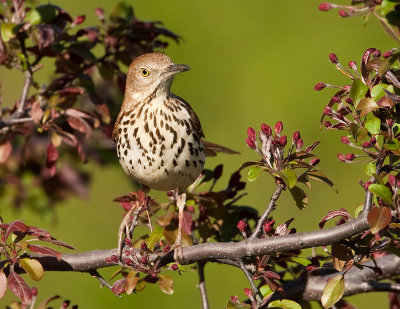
270, 208
202, 285
356, 280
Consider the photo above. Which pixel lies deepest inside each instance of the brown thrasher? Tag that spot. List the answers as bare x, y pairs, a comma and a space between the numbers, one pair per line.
157, 134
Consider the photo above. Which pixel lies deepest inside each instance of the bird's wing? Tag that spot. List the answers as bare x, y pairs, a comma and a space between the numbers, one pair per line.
193, 116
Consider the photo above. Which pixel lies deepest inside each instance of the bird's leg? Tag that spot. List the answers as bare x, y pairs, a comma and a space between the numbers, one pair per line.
177, 246
124, 228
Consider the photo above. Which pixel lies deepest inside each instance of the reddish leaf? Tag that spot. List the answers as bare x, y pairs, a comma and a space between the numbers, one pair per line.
282, 228
378, 218
3, 283
38, 232
69, 90
52, 154
5, 150
19, 287
78, 124
45, 251
118, 286
334, 213
59, 243
36, 112
15, 226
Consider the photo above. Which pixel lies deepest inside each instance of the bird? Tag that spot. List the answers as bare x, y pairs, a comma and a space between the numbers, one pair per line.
158, 135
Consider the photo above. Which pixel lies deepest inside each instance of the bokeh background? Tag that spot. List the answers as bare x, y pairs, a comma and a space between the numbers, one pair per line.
251, 62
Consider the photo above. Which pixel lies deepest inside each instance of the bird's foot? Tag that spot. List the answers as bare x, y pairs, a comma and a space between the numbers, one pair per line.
177, 246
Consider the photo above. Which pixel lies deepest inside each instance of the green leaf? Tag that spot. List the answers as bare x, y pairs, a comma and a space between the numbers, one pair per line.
166, 284
378, 92
41, 14
33, 268
358, 209
290, 177
7, 31
318, 176
379, 218
333, 291
358, 132
382, 192
387, 6
370, 168
392, 144
253, 173
373, 125
300, 260
154, 237
284, 303
265, 290
358, 90
299, 197
366, 105
122, 10
140, 285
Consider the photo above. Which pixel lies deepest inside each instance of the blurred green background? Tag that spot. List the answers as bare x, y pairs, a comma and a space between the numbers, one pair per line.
251, 62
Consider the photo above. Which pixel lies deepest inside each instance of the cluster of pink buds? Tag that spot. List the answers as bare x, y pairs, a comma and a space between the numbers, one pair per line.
360, 8
273, 143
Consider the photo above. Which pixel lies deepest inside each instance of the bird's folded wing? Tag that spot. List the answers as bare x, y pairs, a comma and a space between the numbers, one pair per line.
212, 149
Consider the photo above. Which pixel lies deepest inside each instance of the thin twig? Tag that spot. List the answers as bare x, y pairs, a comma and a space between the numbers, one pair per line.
202, 285
103, 282
256, 291
270, 208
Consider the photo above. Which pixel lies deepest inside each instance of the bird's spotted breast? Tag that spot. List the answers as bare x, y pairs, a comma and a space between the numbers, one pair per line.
158, 146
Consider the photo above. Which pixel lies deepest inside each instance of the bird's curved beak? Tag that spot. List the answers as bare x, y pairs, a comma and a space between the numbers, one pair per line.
176, 68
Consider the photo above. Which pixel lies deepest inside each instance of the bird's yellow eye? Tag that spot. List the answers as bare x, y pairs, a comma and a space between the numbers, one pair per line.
144, 72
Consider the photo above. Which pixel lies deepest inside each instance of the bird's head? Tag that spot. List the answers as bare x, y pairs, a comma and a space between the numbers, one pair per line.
151, 72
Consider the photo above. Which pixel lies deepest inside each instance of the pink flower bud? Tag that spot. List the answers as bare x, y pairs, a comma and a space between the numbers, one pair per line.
346, 88
366, 184
251, 133
324, 6
377, 53
350, 156
283, 141
333, 58
266, 129
387, 53
278, 127
268, 226
65, 304
143, 246
248, 292
366, 144
299, 143
372, 140
295, 136
319, 86
327, 124
389, 122
251, 143
174, 267
314, 161
353, 65
144, 259
349, 100
345, 140
336, 99
100, 13
128, 242
241, 226
34, 291
78, 20
343, 13
341, 157
327, 111
127, 253
190, 209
